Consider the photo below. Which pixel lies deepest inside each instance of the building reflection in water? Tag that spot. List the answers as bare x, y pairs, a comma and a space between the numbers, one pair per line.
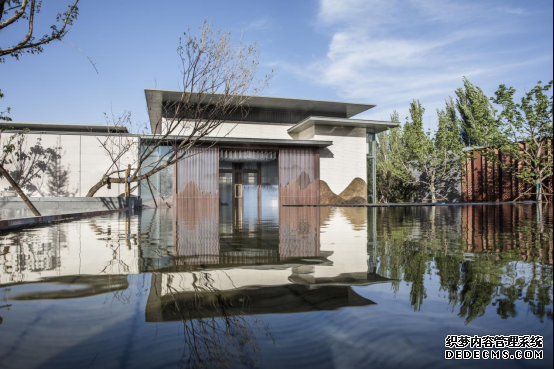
265, 262
196, 231
219, 285
299, 232
300, 249
218, 274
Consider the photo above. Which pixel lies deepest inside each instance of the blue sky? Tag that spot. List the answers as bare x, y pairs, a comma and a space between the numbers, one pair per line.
385, 52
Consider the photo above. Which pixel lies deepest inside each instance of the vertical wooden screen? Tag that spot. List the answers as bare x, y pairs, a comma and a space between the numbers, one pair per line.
197, 176
484, 180
298, 176
299, 232
196, 206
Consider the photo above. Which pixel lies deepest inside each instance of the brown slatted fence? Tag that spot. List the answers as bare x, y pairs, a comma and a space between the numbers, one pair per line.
486, 181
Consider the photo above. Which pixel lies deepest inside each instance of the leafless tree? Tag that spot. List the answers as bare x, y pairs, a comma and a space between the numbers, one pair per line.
218, 80
15, 11
217, 332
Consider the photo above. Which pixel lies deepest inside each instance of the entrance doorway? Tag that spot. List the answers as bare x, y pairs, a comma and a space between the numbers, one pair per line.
248, 201
248, 198
241, 191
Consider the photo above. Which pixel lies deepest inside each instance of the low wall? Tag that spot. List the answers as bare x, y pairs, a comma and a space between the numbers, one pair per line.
14, 207
10, 224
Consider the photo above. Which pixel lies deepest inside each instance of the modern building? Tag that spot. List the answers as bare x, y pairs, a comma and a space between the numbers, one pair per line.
284, 151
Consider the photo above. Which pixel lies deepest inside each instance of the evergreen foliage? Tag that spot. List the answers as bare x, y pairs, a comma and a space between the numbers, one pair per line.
527, 135
431, 162
478, 121
390, 186
411, 159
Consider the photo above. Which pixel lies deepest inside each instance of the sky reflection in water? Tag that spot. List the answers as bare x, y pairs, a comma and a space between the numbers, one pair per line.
307, 288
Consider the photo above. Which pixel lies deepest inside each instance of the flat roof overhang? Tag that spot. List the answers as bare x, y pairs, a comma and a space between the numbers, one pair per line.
277, 299
237, 141
36, 127
156, 98
376, 125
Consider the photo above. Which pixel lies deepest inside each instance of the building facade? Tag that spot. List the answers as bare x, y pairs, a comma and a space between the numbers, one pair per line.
283, 152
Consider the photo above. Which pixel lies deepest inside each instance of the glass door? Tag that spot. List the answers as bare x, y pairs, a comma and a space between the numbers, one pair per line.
250, 196
225, 199
240, 195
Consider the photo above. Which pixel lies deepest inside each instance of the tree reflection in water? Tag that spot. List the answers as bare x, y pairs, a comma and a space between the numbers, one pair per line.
505, 256
494, 261
216, 330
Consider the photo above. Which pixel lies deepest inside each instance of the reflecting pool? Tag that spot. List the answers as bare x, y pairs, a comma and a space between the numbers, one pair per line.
296, 287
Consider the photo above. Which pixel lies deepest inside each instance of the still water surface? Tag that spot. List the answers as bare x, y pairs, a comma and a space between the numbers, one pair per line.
309, 288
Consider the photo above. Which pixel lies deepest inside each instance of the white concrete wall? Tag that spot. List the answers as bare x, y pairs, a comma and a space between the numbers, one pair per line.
307, 134
83, 156
345, 159
87, 161
251, 130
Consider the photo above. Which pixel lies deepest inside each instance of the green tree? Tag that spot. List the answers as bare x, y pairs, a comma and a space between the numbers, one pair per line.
432, 162
478, 121
527, 136
391, 187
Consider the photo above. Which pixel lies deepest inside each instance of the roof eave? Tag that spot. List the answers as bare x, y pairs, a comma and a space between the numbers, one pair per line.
62, 127
375, 125
241, 141
155, 99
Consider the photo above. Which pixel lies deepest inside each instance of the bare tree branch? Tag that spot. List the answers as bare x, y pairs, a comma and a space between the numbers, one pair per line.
217, 81
27, 11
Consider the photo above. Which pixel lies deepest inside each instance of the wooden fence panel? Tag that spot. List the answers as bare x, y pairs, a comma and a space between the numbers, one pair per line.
486, 181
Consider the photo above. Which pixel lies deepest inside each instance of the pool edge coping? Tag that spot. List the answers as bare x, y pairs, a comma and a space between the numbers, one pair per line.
420, 204
16, 223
